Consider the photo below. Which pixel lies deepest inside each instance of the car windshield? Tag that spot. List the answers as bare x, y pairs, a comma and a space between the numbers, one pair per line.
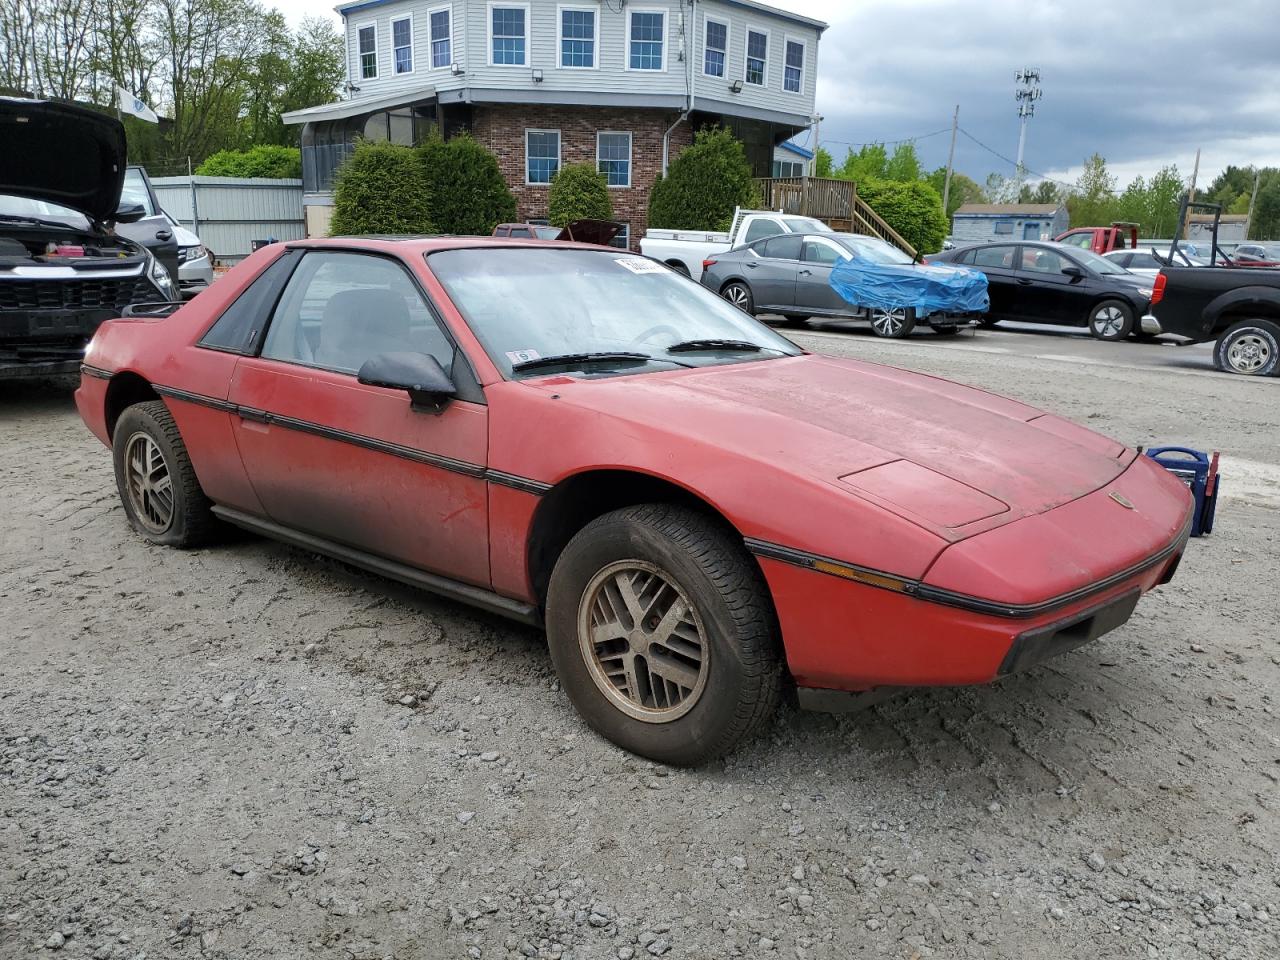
877, 251
533, 303
547, 233
11, 206
806, 225
1096, 263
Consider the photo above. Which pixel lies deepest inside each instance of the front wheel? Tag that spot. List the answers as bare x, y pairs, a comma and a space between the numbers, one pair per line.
894, 322
1249, 347
663, 634
739, 294
1111, 320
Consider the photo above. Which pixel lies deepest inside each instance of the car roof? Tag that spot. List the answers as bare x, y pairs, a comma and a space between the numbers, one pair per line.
410, 245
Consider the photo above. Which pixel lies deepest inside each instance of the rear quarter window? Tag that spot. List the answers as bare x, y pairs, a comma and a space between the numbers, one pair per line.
241, 324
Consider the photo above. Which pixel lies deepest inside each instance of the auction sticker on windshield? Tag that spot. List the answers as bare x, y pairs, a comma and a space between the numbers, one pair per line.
641, 265
522, 356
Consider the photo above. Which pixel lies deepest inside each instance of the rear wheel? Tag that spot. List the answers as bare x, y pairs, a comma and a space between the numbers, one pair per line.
947, 331
158, 486
1250, 348
1111, 320
739, 294
662, 633
796, 319
894, 322
679, 268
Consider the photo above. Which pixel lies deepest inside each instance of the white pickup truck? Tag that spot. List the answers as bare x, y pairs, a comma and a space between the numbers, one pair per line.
684, 250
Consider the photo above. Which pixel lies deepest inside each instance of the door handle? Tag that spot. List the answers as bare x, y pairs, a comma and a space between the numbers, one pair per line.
748, 263
1022, 281
806, 273
164, 235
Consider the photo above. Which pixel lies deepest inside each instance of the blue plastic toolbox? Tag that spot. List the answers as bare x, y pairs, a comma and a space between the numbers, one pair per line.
1199, 471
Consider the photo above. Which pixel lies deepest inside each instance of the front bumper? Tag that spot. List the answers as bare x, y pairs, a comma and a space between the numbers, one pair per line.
195, 275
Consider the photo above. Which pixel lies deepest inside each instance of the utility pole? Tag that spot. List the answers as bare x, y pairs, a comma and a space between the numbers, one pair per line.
1026, 95
817, 143
951, 156
1253, 197
1191, 197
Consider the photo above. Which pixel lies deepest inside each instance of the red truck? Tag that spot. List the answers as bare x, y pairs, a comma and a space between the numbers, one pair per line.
1119, 236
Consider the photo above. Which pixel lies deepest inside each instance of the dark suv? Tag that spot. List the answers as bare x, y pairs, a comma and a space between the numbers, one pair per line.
63, 267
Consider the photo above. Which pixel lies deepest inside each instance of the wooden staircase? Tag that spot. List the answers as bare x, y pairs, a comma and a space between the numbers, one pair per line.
834, 202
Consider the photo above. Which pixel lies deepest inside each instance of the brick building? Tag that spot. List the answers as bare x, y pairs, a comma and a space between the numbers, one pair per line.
543, 83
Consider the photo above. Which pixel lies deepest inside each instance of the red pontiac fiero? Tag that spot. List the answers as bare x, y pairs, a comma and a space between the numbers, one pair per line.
697, 510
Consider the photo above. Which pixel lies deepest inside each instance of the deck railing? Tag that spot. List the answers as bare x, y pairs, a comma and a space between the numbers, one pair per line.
834, 202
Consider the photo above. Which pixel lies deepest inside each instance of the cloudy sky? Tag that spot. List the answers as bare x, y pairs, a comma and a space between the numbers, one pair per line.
1144, 84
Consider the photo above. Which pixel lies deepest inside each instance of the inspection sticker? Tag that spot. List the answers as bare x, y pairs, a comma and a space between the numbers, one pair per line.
641, 265
522, 356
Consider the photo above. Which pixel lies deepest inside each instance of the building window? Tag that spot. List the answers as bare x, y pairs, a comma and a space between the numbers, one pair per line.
793, 70
646, 40
623, 240
402, 45
788, 168
367, 43
577, 37
441, 36
757, 57
613, 157
1004, 226
541, 155
716, 48
507, 30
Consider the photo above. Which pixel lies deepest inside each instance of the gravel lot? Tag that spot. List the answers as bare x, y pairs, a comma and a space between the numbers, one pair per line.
250, 752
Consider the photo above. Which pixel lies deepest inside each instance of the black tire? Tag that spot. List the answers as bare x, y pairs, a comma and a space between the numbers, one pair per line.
1111, 320
739, 294
796, 319
1250, 348
892, 324
987, 321
190, 521
950, 331
740, 666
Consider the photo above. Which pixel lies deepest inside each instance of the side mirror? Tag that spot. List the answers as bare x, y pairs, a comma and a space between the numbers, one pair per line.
130, 212
1075, 273
420, 374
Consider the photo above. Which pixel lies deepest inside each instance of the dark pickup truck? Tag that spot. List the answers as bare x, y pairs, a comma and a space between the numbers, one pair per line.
1237, 307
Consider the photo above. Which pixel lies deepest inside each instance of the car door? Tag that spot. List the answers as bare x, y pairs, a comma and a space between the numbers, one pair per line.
997, 262
1046, 292
153, 231
353, 463
818, 258
772, 274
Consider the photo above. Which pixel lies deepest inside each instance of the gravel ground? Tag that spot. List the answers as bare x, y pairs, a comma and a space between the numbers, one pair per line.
250, 752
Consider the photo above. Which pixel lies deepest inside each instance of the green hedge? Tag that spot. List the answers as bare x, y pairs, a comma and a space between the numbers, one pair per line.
468, 195
261, 161
381, 188
578, 192
703, 185
913, 209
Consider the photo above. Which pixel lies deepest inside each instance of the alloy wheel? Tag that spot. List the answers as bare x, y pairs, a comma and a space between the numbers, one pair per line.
148, 483
643, 641
1108, 322
738, 296
1249, 353
889, 323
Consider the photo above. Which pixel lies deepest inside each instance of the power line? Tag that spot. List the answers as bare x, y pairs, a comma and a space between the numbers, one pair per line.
890, 143
1014, 163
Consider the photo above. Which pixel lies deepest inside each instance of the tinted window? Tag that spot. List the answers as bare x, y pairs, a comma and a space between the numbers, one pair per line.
783, 248
1036, 260
1082, 240
340, 309
815, 252
992, 257
761, 228
238, 328
135, 191
1143, 261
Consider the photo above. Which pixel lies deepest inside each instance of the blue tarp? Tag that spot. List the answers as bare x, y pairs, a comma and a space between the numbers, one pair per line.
929, 288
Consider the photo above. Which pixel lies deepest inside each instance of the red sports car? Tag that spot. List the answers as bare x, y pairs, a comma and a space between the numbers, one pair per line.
697, 510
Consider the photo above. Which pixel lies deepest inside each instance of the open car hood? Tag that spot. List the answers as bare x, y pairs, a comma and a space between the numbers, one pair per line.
64, 154
591, 231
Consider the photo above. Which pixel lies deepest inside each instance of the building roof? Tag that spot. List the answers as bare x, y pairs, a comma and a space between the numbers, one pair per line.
1226, 218
795, 148
1008, 209
353, 108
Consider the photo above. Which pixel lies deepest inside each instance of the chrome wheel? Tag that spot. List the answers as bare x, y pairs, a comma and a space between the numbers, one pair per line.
1248, 353
889, 323
739, 296
148, 483
643, 641
1109, 322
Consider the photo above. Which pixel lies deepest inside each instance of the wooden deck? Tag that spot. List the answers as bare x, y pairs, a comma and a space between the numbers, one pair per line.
834, 202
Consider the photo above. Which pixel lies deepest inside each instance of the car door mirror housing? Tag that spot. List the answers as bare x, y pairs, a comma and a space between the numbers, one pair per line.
419, 374
130, 212
1075, 273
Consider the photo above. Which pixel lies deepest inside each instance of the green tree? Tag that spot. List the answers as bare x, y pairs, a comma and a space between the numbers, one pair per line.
1046, 191
825, 165
963, 189
904, 165
913, 209
264, 160
1164, 195
1094, 200
578, 192
381, 188
1266, 209
704, 184
468, 196
871, 162
1000, 189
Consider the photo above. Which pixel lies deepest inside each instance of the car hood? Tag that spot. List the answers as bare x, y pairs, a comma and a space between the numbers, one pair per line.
949, 457
63, 154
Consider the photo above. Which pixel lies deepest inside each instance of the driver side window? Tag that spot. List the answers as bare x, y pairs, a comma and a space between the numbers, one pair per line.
820, 253
761, 228
339, 309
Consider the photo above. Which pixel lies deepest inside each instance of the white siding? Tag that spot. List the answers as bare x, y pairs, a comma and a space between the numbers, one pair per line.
685, 28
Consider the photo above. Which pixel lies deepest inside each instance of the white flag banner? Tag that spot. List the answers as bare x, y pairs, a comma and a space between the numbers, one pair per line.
131, 105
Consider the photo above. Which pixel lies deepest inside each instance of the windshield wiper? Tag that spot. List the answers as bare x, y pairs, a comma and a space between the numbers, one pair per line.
573, 359
736, 346
11, 218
